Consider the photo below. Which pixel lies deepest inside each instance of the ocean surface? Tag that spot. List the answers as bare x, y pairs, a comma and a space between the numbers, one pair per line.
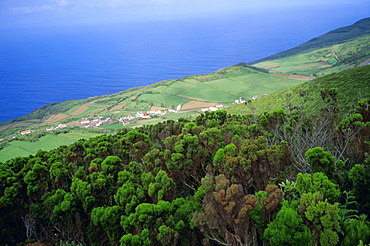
39, 66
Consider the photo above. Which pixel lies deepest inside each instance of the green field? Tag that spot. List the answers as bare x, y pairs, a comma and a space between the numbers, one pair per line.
48, 142
76, 135
167, 100
113, 126
350, 54
23, 148
206, 92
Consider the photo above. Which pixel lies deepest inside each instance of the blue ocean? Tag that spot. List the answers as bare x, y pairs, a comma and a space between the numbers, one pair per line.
39, 66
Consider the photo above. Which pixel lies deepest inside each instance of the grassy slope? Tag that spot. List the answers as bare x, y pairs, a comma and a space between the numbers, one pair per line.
351, 45
338, 36
47, 142
352, 85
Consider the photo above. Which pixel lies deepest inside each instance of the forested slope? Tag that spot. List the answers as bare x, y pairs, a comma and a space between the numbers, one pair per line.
286, 177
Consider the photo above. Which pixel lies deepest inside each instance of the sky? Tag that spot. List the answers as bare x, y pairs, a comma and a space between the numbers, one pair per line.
26, 13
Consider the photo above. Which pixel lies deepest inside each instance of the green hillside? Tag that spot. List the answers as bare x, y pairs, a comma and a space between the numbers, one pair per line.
335, 51
337, 36
351, 86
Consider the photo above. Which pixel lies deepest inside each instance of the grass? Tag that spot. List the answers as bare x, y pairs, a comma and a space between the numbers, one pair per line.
11, 152
179, 86
167, 100
351, 53
206, 92
71, 110
22, 148
48, 142
76, 135
352, 85
113, 126
226, 84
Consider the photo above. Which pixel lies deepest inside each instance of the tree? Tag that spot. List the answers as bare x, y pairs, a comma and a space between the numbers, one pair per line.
288, 228
323, 161
359, 175
111, 164
167, 236
356, 230
109, 219
317, 182
162, 188
321, 217
226, 213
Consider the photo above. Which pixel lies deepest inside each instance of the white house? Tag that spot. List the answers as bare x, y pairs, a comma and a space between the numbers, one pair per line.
240, 100
26, 132
139, 114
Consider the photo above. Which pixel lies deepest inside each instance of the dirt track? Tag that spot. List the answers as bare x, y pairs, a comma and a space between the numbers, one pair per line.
311, 65
292, 76
272, 66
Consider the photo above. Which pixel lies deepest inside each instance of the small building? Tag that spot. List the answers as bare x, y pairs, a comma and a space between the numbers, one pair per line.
239, 101
85, 121
139, 114
50, 128
62, 125
26, 132
100, 122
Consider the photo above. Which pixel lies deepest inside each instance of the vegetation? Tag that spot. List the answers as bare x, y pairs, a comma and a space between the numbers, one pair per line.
284, 177
338, 50
344, 89
342, 35
290, 168
30, 144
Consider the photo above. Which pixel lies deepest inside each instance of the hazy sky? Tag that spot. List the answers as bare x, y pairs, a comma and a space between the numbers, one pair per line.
14, 13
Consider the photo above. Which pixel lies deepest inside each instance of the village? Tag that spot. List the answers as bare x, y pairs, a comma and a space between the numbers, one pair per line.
98, 121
